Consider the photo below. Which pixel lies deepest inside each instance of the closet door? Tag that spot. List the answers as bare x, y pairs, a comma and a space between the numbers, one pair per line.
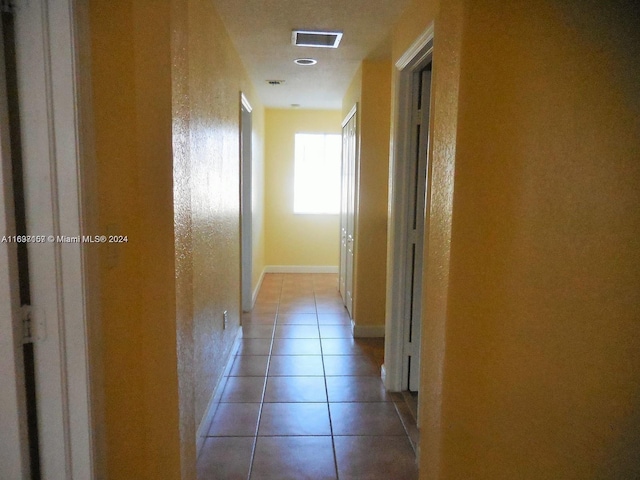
348, 208
342, 278
418, 194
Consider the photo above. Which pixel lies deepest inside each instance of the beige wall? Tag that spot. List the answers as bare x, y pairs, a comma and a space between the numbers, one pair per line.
533, 327
295, 239
166, 84
371, 89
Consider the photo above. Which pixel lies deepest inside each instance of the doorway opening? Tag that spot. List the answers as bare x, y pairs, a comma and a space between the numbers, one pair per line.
246, 219
417, 201
408, 225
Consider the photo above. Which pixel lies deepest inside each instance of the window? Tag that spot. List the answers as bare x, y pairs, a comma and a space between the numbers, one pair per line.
317, 173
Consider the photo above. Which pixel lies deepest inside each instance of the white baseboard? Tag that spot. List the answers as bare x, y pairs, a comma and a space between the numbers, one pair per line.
367, 331
301, 269
257, 289
212, 406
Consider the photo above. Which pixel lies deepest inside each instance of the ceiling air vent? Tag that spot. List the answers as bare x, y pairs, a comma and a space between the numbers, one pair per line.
275, 82
309, 38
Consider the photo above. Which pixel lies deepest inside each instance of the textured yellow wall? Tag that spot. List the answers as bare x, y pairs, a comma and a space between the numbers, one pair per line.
546, 233
131, 82
371, 235
166, 91
353, 94
371, 89
208, 79
216, 77
295, 239
415, 18
536, 121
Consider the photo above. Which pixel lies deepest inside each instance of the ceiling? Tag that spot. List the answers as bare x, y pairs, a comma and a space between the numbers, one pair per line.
261, 32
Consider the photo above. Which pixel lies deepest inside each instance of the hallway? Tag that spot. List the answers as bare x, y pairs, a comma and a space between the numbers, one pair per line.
303, 399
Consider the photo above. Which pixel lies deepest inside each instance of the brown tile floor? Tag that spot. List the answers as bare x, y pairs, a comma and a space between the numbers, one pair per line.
303, 399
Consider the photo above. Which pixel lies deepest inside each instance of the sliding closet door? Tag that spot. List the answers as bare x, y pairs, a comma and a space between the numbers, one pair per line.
348, 208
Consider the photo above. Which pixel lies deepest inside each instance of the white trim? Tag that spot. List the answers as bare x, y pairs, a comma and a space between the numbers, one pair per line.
300, 269
256, 290
214, 401
351, 113
367, 331
412, 59
246, 202
410, 56
245, 102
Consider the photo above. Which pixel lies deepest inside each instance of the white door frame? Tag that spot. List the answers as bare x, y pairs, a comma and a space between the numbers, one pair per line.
246, 205
47, 67
412, 61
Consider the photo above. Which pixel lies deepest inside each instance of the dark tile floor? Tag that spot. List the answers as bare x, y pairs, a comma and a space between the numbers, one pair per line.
303, 399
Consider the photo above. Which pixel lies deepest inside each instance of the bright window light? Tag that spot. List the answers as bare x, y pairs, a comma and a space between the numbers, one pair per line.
317, 173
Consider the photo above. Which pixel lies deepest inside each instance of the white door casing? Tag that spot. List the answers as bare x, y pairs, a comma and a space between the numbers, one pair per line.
246, 203
48, 99
401, 171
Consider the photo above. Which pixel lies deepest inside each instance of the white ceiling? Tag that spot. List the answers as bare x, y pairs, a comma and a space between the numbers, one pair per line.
261, 32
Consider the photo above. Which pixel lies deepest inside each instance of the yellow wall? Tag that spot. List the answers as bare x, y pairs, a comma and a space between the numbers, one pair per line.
416, 17
353, 94
371, 89
371, 234
295, 239
533, 328
131, 81
166, 83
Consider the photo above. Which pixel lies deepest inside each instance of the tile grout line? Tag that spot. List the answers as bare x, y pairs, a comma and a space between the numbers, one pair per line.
281, 292
326, 389
264, 386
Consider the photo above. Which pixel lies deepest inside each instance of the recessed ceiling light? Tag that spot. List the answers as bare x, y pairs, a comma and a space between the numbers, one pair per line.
275, 82
305, 61
311, 38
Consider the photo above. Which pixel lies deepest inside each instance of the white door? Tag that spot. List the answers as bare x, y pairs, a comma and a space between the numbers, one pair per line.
417, 192
348, 210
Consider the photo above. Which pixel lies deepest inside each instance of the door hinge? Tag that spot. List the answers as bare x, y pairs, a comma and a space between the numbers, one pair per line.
7, 6
27, 324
